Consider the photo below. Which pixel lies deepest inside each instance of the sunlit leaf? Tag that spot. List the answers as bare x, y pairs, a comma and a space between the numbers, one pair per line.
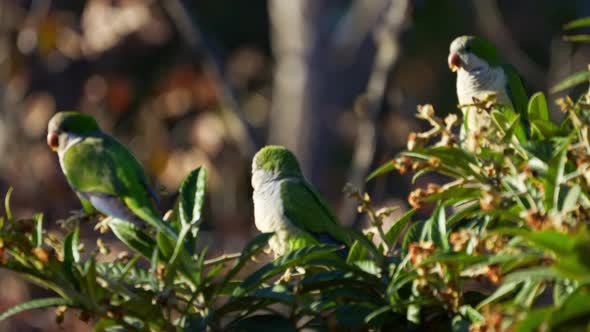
38, 235
537, 108
438, 228
579, 23
577, 38
385, 168
505, 289
571, 199
576, 306
36, 304
7, 209
533, 320
571, 81
392, 235
132, 236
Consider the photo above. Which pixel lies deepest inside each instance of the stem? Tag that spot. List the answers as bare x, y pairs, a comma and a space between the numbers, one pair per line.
222, 259
375, 221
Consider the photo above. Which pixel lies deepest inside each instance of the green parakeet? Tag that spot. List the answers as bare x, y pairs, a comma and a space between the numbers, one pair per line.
102, 171
285, 203
480, 72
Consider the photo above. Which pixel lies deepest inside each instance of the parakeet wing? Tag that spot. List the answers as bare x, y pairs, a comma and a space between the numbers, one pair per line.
516, 90
518, 96
306, 209
88, 168
100, 164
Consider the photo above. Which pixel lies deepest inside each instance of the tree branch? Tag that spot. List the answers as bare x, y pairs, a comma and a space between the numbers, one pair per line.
189, 30
386, 36
489, 20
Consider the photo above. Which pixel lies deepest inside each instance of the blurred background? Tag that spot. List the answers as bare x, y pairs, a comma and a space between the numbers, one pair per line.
189, 83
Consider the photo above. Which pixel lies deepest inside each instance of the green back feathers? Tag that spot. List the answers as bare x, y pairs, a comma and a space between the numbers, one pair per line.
277, 159
73, 122
308, 210
478, 46
485, 50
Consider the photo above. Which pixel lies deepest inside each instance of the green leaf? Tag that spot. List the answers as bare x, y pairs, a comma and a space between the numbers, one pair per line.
537, 273
392, 235
419, 174
279, 293
577, 38
7, 204
571, 199
505, 289
509, 123
36, 304
71, 254
574, 307
554, 177
132, 236
438, 230
104, 325
76, 244
460, 324
385, 168
455, 195
533, 320
153, 268
38, 235
561, 290
252, 248
192, 196
464, 212
578, 23
414, 234
544, 129
538, 109
469, 312
573, 80
454, 257
357, 252
369, 266
455, 162
528, 293
89, 281
281, 264
377, 313
559, 243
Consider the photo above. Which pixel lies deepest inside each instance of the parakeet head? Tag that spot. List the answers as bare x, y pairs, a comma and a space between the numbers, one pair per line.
275, 161
472, 53
64, 126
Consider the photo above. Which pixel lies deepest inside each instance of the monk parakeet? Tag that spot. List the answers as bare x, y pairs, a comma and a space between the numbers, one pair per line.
481, 73
286, 204
102, 171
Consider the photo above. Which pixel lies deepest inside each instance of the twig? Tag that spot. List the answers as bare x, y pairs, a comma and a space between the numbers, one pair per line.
292, 46
490, 22
387, 40
188, 29
222, 259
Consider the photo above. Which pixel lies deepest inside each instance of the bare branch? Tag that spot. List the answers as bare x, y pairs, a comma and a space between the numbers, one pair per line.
387, 40
192, 36
489, 20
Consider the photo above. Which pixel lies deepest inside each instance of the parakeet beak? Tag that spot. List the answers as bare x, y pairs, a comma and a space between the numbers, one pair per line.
52, 141
454, 62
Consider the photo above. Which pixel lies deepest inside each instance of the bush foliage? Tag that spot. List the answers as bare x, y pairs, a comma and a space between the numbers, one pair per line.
506, 246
